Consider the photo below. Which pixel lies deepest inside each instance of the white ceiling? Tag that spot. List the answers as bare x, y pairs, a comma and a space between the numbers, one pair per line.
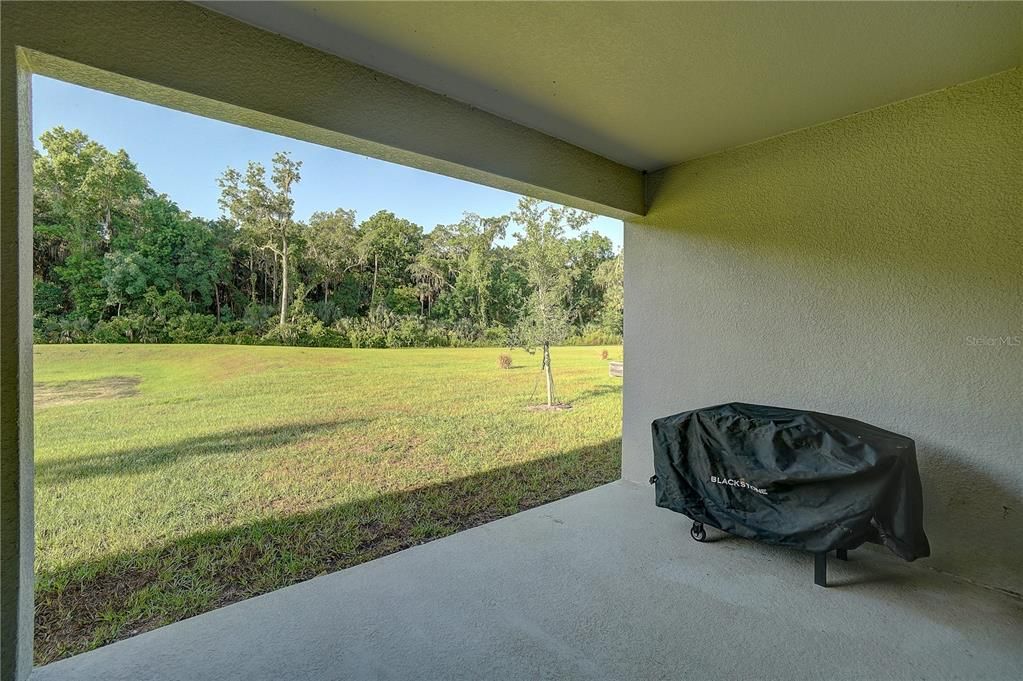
650, 84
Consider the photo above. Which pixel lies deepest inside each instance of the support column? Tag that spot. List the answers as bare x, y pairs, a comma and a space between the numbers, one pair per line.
16, 528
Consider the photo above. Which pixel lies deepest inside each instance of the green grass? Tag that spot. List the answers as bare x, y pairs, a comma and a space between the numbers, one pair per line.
174, 479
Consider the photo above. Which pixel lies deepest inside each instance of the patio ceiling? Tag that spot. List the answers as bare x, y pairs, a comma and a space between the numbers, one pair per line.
654, 84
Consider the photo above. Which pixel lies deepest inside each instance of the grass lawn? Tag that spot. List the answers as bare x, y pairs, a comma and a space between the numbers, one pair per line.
174, 479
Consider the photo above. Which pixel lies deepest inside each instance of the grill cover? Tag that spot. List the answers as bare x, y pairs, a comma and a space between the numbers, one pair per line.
793, 478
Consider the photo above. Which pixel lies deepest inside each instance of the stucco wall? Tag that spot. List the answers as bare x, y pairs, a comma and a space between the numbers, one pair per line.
869, 267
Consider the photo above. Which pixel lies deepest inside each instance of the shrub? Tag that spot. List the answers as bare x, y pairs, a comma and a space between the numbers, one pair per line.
495, 336
407, 332
404, 300
256, 315
303, 328
229, 328
128, 328
594, 335
191, 328
362, 333
47, 297
239, 338
504, 361
61, 329
283, 334
385, 329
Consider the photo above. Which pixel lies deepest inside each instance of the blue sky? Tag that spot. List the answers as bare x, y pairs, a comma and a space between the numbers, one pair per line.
182, 155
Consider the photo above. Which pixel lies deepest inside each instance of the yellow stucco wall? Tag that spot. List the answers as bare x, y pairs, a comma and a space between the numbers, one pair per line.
869, 267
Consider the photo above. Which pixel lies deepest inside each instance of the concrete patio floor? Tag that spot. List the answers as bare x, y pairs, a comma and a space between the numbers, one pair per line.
599, 585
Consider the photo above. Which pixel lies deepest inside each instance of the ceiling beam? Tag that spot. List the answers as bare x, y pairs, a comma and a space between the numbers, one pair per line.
189, 58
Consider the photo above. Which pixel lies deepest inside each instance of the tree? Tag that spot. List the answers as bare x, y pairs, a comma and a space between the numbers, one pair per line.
475, 236
126, 278
187, 254
116, 261
85, 197
87, 187
331, 247
388, 245
544, 253
265, 210
586, 253
431, 268
510, 287
610, 276
81, 275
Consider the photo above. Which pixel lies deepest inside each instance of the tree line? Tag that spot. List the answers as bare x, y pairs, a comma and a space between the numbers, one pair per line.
115, 261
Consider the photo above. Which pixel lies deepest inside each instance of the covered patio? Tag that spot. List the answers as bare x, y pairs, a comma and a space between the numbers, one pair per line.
822, 211
601, 585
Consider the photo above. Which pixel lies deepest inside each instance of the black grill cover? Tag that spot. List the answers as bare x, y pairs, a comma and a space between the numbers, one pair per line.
793, 478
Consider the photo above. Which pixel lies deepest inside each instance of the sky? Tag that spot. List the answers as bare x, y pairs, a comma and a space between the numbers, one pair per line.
183, 154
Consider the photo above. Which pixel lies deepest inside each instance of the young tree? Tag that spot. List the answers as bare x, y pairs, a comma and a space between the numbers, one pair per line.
265, 210
544, 252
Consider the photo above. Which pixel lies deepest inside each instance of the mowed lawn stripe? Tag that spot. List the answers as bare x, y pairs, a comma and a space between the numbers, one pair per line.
174, 479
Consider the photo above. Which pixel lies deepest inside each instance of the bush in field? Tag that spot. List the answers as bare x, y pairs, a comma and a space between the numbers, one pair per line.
191, 328
361, 333
61, 329
504, 362
385, 329
259, 326
495, 336
406, 332
236, 337
128, 328
367, 337
594, 335
256, 316
302, 327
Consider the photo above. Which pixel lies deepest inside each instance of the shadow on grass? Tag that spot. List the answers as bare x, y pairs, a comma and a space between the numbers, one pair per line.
99, 602
594, 393
143, 459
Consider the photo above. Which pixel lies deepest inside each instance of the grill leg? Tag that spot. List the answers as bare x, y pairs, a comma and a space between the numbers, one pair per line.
842, 554
820, 569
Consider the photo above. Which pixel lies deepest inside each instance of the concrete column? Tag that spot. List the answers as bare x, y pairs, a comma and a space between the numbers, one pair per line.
16, 529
